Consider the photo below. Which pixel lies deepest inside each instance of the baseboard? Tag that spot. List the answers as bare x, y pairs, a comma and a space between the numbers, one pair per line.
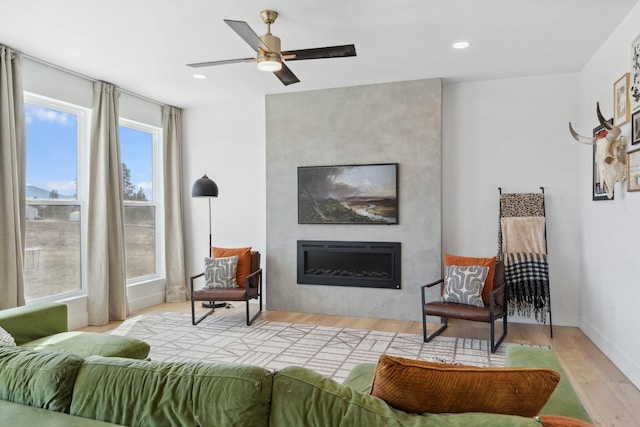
619, 358
148, 300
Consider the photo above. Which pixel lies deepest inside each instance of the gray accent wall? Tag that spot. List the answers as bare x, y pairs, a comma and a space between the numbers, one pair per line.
382, 123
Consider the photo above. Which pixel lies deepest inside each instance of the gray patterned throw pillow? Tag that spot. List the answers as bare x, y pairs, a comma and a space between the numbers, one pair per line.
220, 272
463, 284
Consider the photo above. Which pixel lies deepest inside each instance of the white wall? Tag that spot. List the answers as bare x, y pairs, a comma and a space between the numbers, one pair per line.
226, 141
512, 133
610, 253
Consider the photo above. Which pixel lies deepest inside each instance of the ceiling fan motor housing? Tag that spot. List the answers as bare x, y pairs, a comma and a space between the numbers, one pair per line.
272, 42
273, 56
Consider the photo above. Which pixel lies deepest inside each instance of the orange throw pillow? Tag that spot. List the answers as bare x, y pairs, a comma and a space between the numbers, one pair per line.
484, 262
417, 387
244, 261
560, 421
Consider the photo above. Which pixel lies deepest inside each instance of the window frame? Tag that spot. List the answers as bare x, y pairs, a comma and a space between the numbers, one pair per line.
83, 129
157, 197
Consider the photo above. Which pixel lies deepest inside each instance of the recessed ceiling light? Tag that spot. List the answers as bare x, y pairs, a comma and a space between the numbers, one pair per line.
199, 76
461, 45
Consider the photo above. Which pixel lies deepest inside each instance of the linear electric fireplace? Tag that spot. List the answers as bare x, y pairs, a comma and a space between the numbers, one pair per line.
340, 263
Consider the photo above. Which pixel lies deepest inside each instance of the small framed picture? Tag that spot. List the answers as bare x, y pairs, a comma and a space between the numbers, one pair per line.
633, 170
634, 88
621, 105
635, 128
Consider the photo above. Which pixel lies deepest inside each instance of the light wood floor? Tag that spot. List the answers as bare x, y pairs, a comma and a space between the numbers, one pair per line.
609, 397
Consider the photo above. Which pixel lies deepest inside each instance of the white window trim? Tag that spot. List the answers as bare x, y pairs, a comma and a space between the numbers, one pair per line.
158, 199
82, 171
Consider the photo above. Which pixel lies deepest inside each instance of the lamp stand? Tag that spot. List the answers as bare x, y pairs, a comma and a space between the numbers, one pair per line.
211, 304
209, 248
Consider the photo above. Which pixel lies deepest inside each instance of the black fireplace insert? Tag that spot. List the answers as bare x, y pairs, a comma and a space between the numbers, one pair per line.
346, 263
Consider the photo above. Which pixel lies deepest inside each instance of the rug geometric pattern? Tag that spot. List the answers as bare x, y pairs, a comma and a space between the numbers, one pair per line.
327, 350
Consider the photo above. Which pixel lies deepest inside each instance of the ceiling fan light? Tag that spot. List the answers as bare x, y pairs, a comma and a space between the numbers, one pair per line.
269, 65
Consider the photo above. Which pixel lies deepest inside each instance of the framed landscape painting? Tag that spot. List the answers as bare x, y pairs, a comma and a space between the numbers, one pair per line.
350, 194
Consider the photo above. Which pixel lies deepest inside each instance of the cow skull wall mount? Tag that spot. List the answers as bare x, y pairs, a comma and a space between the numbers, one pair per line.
610, 153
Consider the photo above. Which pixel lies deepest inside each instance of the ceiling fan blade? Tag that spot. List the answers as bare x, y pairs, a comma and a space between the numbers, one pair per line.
286, 76
247, 34
224, 61
321, 52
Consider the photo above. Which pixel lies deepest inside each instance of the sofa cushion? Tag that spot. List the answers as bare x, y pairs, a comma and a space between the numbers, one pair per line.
463, 284
419, 386
564, 400
86, 344
33, 321
137, 392
41, 379
302, 397
15, 414
450, 259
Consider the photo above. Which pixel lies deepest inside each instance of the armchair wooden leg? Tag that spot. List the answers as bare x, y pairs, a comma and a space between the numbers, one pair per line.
427, 337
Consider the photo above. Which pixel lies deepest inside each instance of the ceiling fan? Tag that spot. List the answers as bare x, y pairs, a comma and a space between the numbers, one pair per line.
269, 56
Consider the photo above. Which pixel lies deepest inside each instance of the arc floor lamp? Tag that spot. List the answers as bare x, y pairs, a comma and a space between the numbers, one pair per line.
206, 187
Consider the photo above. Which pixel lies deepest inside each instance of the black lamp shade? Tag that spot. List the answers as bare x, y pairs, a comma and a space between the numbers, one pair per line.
204, 187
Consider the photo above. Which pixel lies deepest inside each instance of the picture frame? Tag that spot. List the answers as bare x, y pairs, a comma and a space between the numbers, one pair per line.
597, 185
348, 194
621, 104
635, 128
634, 87
633, 170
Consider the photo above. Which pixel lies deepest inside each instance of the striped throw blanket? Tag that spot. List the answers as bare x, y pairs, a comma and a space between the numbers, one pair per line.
527, 282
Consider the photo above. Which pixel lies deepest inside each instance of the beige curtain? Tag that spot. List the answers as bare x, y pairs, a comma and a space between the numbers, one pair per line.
12, 179
174, 247
107, 285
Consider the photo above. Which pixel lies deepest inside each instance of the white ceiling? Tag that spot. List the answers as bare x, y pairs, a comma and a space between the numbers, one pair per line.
143, 45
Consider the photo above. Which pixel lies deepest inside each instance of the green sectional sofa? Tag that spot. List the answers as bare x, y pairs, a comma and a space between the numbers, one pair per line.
44, 326
58, 378
62, 389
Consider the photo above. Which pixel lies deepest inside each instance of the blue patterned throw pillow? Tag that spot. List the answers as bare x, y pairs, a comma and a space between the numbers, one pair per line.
463, 284
220, 272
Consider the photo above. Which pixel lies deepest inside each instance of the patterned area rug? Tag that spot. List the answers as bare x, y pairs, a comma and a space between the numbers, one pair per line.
274, 345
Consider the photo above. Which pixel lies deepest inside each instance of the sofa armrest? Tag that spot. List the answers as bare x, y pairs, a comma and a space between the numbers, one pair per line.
564, 401
34, 321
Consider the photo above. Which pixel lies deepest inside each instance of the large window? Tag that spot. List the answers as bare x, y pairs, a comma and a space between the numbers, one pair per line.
56, 137
139, 152
57, 177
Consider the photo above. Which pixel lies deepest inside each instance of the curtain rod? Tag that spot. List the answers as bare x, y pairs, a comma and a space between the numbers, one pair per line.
84, 76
